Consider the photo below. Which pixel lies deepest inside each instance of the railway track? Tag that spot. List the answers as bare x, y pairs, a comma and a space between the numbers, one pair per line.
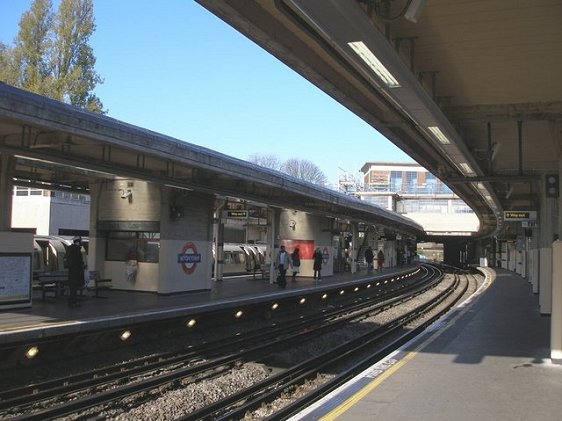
102, 389
237, 406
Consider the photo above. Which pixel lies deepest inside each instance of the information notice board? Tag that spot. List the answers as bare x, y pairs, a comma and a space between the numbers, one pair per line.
15, 280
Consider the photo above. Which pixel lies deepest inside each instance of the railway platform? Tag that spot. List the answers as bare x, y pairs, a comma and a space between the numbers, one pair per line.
487, 360
52, 318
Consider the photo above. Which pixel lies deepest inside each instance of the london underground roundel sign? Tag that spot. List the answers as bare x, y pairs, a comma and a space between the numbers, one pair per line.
188, 258
325, 255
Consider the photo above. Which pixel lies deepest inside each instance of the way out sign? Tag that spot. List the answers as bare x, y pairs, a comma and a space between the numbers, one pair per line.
188, 258
520, 215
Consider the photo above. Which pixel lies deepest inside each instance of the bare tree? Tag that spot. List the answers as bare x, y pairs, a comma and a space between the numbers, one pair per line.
298, 168
268, 161
305, 170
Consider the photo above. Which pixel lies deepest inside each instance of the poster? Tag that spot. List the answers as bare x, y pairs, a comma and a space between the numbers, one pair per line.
306, 247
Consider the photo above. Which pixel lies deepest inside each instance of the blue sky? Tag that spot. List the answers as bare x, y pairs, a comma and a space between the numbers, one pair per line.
175, 68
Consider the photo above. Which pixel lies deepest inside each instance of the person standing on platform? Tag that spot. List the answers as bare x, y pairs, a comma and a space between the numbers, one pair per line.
317, 265
75, 270
295, 262
369, 257
283, 263
380, 260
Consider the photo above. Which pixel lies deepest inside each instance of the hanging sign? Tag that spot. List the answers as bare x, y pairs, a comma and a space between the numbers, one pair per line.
519, 215
235, 214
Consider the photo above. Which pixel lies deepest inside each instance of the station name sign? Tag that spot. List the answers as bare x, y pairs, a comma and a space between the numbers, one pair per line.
519, 215
189, 258
235, 214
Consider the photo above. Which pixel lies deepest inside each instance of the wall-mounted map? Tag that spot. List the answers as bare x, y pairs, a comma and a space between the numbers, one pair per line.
15, 279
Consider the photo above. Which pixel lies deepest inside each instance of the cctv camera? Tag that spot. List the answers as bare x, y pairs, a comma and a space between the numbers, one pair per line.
125, 194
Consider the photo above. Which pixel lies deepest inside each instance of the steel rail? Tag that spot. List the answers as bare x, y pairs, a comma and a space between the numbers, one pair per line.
271, 387
89, 401
45, 390
305, 401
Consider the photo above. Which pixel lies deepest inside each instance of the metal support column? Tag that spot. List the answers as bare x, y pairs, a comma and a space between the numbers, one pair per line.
219, 243
272, 230
7, 166
556, 317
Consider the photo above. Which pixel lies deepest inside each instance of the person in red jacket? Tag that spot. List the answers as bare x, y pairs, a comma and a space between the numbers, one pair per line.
380, 260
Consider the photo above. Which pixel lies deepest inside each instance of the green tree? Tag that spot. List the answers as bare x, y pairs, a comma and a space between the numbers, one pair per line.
8, 73
51, 55
30, 63
73, 59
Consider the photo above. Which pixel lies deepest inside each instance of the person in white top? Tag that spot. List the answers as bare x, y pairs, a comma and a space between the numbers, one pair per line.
283, 262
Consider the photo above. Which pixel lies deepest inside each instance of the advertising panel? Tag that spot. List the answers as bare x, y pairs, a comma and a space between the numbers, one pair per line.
306, 247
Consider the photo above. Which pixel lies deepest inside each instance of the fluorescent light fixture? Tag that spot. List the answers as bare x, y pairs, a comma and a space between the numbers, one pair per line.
495, 148
178, 187
436, 131
374, 64
414, 10
490, 200
465, 168
456, 233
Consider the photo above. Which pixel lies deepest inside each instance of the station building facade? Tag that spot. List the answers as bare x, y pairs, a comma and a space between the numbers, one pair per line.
46, 212
411, 190
153, 238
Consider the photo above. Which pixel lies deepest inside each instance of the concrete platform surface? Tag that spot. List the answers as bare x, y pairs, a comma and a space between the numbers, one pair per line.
488, 360
53, 317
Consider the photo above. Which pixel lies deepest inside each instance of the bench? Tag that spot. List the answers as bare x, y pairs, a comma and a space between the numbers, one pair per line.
52, 283
262, 269
99, 283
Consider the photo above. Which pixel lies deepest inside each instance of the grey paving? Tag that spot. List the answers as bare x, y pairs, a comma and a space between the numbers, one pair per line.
491, 362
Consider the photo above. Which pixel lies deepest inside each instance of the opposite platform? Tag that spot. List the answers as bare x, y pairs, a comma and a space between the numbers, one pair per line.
52, 318
487, 360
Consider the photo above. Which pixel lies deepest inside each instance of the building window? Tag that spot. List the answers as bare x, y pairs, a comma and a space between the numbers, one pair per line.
129, 245
66, 196
461, 208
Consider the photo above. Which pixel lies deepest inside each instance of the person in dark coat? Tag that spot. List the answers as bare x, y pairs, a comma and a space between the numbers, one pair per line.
369, 257
295, 262
317, 265
75, 270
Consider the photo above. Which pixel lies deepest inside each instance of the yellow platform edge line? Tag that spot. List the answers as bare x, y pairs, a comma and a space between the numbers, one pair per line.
336, 412
351, 401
